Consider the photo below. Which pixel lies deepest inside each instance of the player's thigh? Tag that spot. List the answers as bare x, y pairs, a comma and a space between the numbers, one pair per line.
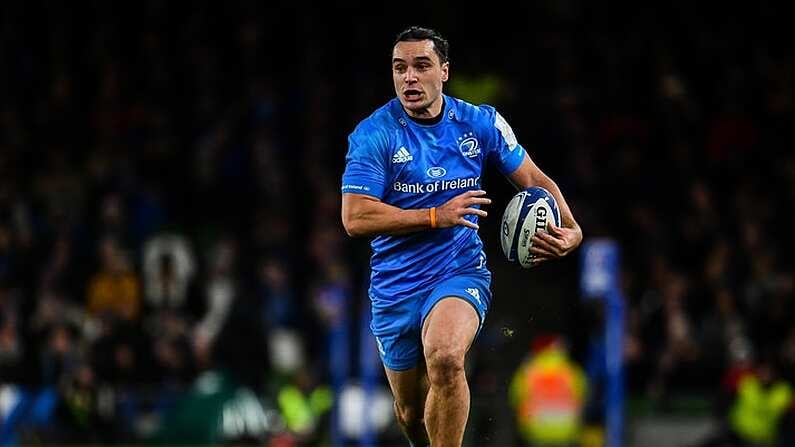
409, 387
450, 327
454, 312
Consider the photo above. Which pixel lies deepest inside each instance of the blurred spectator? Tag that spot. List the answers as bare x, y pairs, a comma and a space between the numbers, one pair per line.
168, 267
220, 291
304, 406
725, 337
60, 357
676, 338
115, 288
548, 393
10, 344
761, 401
753, 403
274, 287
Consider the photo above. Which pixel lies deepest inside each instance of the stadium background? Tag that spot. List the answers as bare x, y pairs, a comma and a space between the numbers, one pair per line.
219, 132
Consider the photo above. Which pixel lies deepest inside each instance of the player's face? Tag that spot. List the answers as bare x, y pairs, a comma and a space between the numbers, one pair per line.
418, 75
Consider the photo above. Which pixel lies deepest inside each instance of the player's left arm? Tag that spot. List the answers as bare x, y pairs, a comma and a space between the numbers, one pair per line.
557, 242
514, 162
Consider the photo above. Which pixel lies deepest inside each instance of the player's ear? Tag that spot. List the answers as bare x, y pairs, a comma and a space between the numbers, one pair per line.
445, 71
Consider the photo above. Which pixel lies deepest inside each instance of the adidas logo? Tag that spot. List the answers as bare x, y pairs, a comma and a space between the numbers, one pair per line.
402, 155
475, 294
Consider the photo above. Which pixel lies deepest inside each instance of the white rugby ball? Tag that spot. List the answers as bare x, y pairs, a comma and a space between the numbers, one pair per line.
528, 212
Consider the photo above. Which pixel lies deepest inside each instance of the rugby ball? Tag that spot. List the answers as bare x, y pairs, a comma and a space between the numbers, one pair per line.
528, 212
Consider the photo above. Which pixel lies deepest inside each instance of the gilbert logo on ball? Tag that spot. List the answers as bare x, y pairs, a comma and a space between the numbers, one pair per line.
528, 212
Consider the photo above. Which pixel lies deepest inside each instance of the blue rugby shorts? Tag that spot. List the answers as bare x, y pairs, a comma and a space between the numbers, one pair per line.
397, 325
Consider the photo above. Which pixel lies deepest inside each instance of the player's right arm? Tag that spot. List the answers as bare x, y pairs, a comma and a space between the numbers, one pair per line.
364, 185
365, 215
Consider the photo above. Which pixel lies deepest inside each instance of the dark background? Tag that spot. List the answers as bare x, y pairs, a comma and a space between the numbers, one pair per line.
668, 127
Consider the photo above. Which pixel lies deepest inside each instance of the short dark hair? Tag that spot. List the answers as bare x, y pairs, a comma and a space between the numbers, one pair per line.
415, 33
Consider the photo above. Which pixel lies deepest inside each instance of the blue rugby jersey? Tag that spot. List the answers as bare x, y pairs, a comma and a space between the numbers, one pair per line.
412, 165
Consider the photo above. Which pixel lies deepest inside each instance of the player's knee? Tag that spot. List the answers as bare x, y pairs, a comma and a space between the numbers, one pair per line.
445, 365
409, 416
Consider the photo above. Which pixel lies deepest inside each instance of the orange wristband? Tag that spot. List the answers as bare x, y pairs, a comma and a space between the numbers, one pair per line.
432, 211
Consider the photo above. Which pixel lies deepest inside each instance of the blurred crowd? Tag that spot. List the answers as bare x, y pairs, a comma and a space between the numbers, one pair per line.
152, 225
169, 185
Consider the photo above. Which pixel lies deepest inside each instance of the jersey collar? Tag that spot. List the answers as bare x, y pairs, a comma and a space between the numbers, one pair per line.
403, 118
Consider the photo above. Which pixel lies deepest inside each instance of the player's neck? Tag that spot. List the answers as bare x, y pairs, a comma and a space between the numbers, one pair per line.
429, 117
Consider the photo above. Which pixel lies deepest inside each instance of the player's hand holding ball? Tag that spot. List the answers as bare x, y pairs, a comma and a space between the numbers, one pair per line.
531, 231
554, 243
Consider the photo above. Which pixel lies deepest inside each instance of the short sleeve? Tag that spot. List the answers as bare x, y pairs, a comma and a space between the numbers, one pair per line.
365, 166
504, 151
